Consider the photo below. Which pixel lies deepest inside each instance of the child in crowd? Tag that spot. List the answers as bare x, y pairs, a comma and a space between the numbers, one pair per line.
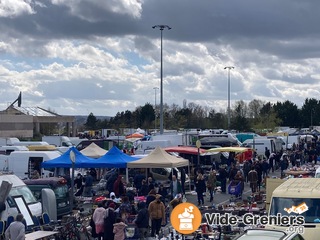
119, 229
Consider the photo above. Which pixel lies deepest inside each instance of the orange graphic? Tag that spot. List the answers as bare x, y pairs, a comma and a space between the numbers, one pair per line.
185, 218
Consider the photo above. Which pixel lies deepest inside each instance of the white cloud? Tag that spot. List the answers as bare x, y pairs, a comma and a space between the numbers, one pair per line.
81, 56
14, 8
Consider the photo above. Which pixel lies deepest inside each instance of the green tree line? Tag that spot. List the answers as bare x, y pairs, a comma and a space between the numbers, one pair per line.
253, 116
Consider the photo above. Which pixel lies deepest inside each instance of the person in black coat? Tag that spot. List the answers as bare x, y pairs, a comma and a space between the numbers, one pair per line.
138, 180
200, 188
151, 197
109, 220
163, 192
110, 182
144, 190
183, 179
142, 220
223, 175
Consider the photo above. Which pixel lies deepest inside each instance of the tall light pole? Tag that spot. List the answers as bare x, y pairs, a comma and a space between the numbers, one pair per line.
155, 107
161, 27
229, 68
73, 160
312, 111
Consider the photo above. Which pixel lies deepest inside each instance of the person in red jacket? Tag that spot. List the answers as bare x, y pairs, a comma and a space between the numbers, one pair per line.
118, 187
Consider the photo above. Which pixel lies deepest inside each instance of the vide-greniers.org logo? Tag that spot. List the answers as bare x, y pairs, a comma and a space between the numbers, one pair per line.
248, 219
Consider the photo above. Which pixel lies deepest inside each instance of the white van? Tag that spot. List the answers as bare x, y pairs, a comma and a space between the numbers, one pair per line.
145, 147
260, 144
298, 197
6, 150
23, 163
317, 174
19, 188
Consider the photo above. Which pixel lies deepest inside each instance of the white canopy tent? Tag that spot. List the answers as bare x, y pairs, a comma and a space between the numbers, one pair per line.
159, 158
93, 151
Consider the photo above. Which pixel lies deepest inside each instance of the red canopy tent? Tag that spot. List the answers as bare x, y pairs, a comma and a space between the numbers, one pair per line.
185, 149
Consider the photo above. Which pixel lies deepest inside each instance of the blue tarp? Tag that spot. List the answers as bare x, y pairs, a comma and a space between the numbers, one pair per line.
64, 160
114, 158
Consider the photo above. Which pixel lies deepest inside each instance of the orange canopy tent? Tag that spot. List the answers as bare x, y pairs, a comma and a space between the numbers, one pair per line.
135, 135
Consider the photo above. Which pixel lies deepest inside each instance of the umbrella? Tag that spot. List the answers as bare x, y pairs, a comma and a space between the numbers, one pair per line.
228, 149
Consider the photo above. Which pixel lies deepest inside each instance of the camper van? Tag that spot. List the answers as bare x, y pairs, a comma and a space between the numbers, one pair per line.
24, 163
18, 188
298, 197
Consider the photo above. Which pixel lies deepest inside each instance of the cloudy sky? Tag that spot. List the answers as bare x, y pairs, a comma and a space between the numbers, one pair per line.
103, 56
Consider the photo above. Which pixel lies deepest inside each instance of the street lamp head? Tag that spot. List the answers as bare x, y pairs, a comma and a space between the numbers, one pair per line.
161, 27
229, 67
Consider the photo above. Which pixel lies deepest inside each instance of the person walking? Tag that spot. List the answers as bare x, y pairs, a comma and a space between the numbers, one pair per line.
211, 183
157, 215
109, 220
118, 229
200, 188
246, 170
16, 230
223, 175
175, 187
142, 221
267, 152
98, 219
88, 182
253, 179
183, 180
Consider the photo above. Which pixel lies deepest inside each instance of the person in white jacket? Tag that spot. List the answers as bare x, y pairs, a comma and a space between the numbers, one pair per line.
98, 219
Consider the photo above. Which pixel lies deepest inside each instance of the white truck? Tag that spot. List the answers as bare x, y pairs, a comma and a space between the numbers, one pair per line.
24, 163
58, 141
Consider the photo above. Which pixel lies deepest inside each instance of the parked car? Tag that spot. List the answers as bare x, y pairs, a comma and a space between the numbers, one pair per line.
253, 234
60, 188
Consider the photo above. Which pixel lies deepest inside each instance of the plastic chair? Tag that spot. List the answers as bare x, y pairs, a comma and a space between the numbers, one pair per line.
46, 223
46, 218
10, 219
2, 229
37, 225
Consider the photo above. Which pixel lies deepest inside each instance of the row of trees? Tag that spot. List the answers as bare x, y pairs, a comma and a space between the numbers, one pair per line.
252, 116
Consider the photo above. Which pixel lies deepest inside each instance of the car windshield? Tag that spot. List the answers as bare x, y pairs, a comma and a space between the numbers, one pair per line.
283, 205
24, 191
61, 191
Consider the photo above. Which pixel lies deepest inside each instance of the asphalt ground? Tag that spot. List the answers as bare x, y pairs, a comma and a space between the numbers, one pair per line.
225, 198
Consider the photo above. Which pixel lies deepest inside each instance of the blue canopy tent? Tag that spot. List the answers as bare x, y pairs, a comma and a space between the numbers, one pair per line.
114, 158
64, 161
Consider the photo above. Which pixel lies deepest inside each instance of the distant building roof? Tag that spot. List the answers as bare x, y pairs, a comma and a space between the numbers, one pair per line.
35, 111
